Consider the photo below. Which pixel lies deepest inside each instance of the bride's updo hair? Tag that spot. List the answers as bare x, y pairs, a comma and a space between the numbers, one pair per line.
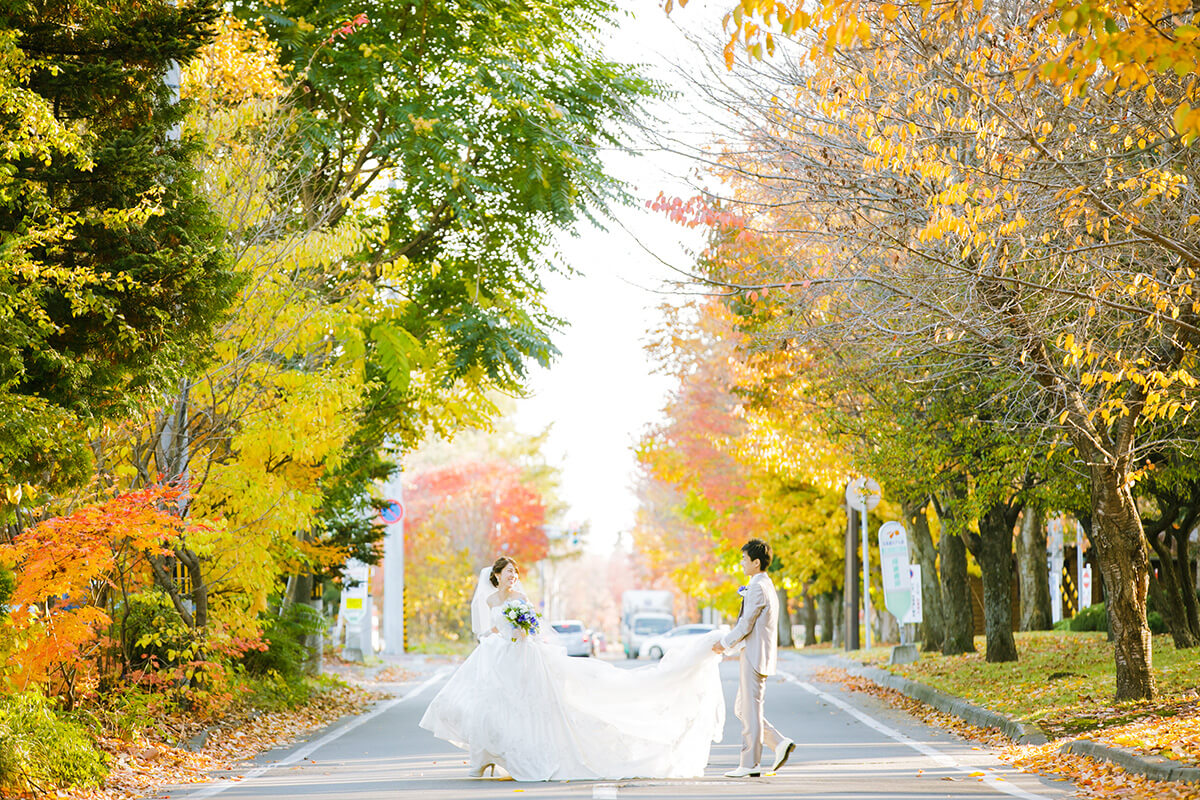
498, 567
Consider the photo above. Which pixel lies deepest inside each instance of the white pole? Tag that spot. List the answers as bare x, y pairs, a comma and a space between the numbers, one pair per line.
866, 559
393, 575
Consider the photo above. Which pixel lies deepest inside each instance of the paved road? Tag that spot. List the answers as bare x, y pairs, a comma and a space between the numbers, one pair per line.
850, 747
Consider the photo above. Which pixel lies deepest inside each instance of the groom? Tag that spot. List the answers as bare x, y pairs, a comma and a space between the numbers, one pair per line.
757, 629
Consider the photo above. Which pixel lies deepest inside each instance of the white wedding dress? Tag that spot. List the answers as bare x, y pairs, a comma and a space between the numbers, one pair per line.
541, 715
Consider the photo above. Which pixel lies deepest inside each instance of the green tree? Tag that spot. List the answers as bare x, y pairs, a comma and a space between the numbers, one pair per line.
462, 138
111, 271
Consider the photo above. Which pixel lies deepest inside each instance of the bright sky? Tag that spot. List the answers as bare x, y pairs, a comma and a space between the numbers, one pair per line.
602, 392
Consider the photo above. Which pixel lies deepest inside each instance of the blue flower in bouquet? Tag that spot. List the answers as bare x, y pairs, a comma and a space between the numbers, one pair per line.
521, 616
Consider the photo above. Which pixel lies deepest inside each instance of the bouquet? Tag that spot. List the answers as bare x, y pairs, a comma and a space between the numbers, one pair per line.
521, 616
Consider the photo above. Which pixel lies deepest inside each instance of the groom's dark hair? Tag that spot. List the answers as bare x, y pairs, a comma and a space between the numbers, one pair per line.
759, 551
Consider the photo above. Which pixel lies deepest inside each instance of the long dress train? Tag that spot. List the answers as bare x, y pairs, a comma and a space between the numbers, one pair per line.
528, 707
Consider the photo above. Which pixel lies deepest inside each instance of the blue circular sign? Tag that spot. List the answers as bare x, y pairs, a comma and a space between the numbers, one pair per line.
392, 512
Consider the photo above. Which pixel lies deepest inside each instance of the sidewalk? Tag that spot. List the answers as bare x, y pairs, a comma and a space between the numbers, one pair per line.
395, 674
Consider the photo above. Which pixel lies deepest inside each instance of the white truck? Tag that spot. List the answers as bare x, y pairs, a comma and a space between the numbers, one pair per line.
644, 613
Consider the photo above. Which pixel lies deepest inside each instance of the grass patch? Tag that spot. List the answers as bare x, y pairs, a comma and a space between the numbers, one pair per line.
1063, 681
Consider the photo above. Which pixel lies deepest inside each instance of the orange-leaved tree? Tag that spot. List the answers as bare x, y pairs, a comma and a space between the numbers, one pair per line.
461, 516
71, 572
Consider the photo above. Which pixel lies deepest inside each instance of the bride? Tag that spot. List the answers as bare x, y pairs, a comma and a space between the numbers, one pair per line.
521, 703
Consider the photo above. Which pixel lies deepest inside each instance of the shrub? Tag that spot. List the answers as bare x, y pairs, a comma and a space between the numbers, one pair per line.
273, 692
152, 630
126, 711
1092, 618
1095, 618
285, 634
40, 750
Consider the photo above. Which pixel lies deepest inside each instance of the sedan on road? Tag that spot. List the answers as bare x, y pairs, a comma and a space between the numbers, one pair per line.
658, 646
573, 636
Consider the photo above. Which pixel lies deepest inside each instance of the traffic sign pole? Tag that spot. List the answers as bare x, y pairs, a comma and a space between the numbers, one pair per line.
866, 559
392, 515
863, 494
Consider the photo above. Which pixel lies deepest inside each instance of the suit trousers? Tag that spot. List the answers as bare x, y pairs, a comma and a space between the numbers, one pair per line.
756, 731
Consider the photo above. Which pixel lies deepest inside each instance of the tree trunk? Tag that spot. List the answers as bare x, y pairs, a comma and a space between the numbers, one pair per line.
826, 604
1183, 565
995, 561
785, 617
1121, 550
1032, 574
933, 624
191, 561
956, 590
809, 615
956, 596
1168, 598
839, 619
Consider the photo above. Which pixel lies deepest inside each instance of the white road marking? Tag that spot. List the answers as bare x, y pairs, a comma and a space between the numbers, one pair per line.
938, 756
604, 792
304, 752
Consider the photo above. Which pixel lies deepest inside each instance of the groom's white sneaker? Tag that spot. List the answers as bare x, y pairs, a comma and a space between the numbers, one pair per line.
744, 772
782, 752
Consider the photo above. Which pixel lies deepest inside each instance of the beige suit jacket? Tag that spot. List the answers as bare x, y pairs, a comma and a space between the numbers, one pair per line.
758, 627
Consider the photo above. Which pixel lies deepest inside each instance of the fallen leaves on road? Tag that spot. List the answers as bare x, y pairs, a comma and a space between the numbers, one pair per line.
140, 766
394, 674
1094, 779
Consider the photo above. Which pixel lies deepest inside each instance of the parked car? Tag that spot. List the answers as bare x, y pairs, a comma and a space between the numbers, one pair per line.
658, 646
641, 627
573, 636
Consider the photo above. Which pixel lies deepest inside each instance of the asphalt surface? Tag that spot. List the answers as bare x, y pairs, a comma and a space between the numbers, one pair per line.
850, 746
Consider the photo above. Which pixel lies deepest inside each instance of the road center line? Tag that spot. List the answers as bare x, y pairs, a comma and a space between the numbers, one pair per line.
304, 752
938, 756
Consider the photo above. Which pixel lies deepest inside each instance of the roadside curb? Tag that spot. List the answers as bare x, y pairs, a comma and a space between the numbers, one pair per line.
1020, 732
1153, 767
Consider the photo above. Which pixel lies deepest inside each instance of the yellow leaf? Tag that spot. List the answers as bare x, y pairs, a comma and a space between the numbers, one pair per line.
1181, 115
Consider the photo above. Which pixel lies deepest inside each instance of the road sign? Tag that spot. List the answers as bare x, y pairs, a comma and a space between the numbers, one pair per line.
355, 609
1085, 587
1054, 544
916, 611
893, 557
392, 512
862, 494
